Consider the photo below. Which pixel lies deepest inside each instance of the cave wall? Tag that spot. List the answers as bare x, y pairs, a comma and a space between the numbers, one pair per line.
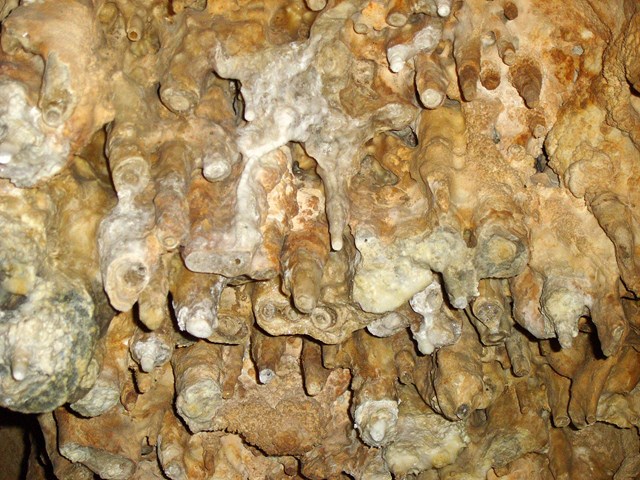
323, 239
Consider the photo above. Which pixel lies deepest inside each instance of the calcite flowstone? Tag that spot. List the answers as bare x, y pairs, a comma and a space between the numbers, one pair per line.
322, 239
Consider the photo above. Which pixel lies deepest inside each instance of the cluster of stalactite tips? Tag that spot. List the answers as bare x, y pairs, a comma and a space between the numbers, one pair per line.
322, 239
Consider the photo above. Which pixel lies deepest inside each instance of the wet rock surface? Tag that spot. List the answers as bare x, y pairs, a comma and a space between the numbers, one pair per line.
322, 239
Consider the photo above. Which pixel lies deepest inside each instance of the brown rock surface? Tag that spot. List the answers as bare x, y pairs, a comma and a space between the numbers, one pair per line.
321, 239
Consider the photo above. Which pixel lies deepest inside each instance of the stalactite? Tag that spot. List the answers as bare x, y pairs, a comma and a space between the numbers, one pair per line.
322, 239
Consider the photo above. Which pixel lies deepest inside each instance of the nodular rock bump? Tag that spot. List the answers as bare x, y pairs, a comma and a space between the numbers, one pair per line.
366, 239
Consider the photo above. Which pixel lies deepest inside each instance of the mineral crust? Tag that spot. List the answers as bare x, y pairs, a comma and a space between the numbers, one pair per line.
322, 239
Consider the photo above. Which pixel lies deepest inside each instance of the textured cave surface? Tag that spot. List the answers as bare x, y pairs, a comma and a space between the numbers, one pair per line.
320, 239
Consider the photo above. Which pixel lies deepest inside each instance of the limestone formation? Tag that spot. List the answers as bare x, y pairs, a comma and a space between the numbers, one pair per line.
322, 239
